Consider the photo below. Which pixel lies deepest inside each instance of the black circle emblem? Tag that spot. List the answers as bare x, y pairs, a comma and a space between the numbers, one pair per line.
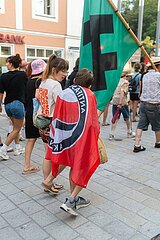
66, 134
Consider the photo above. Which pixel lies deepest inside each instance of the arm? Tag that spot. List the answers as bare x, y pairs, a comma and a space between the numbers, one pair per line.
1, 97
121, 98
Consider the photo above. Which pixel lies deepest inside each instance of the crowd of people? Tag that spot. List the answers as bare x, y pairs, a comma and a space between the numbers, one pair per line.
66, 104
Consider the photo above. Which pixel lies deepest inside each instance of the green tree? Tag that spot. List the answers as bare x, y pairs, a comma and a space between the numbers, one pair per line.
130, 9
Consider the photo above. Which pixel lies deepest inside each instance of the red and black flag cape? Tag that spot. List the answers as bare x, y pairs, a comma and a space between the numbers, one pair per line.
74, 134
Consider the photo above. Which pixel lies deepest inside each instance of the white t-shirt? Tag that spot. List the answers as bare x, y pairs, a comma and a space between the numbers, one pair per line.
151, 87
48, 92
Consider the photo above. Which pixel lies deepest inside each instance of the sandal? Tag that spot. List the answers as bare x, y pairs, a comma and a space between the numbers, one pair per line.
50, 189
105, 124
32, 169
58, 186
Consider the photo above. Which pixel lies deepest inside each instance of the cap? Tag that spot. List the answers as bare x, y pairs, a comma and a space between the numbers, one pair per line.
38, 66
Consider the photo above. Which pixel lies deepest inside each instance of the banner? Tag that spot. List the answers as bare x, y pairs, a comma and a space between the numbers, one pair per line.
74, 134
106, 46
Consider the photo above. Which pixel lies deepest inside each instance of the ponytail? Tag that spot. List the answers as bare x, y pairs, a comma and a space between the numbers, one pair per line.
15, 60
49, 67
54, 62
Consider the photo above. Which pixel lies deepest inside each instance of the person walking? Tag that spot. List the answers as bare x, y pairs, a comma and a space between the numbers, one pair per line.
134, 95
149, 112
74, 136
49, 89
32, 133
13, 83
120, 102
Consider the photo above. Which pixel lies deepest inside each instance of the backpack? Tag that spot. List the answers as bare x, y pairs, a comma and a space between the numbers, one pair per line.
133, 84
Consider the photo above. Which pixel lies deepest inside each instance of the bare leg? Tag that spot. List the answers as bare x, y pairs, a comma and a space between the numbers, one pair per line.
48, 181
138, 136
28, 152
17, 124
0, 141
47, 166
134, 109
157, 134
105, 114
128, 124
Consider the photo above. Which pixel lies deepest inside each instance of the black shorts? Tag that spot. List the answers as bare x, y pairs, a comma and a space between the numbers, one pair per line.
134, 96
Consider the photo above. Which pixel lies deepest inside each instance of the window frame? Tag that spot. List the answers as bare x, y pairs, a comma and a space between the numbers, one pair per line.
45, 17
42, 48
11, 46
2, 6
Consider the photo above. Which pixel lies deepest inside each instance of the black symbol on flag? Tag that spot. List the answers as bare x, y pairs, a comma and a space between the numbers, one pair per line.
100, 24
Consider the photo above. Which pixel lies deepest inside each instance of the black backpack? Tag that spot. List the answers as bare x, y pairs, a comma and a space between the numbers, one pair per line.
133, 84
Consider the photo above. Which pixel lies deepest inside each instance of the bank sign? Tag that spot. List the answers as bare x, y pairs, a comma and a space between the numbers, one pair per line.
6, 38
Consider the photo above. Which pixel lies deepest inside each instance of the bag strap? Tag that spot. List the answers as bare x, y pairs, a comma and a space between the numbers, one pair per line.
135, 78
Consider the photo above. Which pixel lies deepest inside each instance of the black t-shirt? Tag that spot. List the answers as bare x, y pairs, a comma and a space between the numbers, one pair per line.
14, 84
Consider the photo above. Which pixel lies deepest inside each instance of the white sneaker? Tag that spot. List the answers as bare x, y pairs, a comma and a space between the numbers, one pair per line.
131, 134
111, 137
4, 155
19, 151
21, 138
10, 149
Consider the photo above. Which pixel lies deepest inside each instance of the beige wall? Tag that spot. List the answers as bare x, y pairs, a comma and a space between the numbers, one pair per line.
46, 26
8, 19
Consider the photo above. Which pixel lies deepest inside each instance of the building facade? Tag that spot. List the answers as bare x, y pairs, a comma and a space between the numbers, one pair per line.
39, 28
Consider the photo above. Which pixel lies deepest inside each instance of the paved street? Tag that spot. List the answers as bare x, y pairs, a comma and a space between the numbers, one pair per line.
124, 194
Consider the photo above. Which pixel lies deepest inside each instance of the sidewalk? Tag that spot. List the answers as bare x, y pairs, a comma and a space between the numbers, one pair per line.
124, 194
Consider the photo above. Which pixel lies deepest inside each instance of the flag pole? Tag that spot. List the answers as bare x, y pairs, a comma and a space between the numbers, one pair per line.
132, 33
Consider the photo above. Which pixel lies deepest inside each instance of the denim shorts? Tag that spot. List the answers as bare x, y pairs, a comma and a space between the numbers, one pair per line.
124, 110
15, 109
149, 114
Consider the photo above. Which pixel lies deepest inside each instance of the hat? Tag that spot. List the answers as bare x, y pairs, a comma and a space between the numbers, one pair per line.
155, 60
38, 66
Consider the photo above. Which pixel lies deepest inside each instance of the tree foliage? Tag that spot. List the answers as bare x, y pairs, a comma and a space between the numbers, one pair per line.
130, 11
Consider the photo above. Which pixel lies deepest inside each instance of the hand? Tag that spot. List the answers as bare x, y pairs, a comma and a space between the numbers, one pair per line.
119, 105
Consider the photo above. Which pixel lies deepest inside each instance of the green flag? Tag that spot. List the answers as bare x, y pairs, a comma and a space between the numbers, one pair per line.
106, 46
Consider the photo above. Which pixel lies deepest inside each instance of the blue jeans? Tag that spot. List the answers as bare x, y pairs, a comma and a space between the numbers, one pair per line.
124, 110
15, 109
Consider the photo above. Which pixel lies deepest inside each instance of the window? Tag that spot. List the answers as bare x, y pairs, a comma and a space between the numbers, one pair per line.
45, 9
2, 9
5, 51
42, 52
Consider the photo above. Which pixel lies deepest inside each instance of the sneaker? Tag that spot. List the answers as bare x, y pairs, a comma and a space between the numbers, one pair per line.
68, 207
19, 151
4, 155
81, 202
131, 134
21, 138
111, 137
157, 145
139, 149
10, 149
